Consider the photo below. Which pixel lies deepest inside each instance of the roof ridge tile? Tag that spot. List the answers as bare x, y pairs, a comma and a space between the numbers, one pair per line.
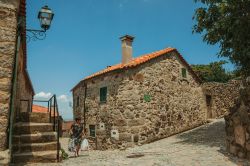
134, 62
140, 60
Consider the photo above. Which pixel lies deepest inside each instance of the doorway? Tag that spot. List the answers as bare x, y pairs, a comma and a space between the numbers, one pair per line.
209, 106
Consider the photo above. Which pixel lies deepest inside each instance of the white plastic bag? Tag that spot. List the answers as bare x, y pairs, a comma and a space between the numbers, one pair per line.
71, 145
85, 145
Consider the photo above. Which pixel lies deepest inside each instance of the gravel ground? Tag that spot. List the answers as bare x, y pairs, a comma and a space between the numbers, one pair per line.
203, 146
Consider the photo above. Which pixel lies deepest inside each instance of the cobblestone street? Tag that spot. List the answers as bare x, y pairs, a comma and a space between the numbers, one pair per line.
203, 146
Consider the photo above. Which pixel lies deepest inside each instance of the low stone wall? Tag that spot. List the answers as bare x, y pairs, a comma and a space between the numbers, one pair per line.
220, 97
238, 124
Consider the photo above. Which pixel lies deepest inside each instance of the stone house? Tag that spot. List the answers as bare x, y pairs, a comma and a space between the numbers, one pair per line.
28, 136
141, 99
15, 90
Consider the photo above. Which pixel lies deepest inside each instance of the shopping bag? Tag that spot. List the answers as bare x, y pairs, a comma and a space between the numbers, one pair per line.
85, 145
71, 145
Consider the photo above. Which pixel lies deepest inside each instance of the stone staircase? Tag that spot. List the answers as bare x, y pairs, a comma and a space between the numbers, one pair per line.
34, 139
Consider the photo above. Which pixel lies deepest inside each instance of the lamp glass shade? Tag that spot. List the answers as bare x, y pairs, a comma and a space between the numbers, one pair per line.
45, 17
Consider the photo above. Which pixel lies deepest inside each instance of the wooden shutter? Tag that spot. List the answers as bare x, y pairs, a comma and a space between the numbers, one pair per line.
92, 130
103, 94
184, 73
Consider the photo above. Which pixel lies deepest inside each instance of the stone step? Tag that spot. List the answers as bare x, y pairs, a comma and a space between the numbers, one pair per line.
33, 147
35, 138
32, 128
35, 157
34, 117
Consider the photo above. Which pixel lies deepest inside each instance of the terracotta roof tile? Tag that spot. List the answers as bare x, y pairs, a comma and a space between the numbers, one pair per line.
134, 62
140, 60
42, 109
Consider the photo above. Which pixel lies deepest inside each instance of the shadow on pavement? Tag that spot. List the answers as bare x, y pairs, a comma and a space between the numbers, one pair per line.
212, 135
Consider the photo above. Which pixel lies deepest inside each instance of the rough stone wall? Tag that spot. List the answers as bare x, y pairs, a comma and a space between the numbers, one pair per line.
7, 50
78, 93
238, 124
8, 26
175, 104
223, 97
24, 87
25, 94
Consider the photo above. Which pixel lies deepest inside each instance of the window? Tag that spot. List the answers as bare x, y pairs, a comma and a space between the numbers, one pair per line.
184, 73
103, 94
92, 130
77, 101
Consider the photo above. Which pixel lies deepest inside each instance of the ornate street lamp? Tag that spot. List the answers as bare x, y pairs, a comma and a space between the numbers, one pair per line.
45, 17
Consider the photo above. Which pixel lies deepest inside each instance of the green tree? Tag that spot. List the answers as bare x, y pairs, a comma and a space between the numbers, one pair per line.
213, 72
227, 23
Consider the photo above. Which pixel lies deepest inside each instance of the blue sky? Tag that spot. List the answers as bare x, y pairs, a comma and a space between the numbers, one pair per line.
84, 38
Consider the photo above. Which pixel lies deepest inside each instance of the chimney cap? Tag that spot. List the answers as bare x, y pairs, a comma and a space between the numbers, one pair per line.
127, 37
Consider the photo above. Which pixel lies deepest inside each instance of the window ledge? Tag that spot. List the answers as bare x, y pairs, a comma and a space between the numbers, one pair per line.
102, 102
184, 79
91, 137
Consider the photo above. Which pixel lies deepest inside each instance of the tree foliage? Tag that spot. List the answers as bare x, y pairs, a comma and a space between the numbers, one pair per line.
213, 72
227, 23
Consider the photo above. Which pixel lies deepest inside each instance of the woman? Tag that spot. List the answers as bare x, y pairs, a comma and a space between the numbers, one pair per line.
76, 135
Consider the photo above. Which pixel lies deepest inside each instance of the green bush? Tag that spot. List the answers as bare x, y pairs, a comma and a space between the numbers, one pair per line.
64, 155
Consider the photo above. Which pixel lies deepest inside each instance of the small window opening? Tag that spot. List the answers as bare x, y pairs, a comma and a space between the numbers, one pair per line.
78, 101
103, 94
92, 130
184, 73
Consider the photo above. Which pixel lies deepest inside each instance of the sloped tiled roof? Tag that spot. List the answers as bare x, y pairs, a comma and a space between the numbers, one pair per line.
134, 62
42, 109
140, 60
22, 13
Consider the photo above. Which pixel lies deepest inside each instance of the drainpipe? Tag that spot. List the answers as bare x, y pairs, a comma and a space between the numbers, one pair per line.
84, 107
13, 89
31, 107
13, 93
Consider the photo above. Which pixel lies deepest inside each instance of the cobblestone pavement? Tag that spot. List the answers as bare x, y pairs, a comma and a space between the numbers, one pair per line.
203, 146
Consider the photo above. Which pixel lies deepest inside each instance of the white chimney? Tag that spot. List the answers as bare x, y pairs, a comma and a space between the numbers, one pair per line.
127, 48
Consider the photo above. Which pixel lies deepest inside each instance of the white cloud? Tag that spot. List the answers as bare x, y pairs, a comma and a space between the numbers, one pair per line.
63, 98
64, 106
65, 111
43, 95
